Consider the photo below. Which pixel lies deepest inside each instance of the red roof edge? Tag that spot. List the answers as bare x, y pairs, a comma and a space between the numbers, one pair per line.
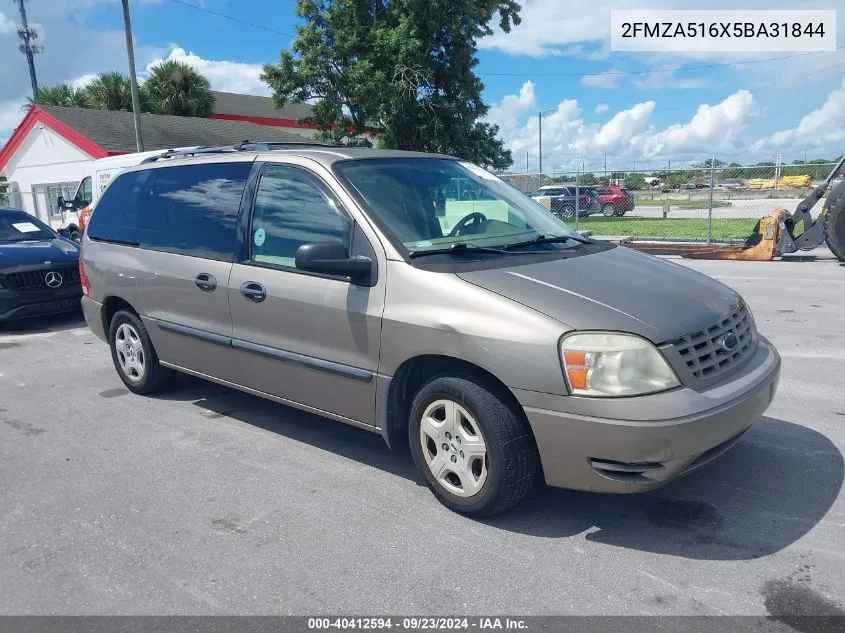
262, 120
37, 115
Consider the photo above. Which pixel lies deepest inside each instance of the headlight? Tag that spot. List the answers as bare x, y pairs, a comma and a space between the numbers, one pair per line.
607, 365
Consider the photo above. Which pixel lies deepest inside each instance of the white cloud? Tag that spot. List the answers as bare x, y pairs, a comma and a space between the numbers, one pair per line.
820, 129
226, 76
607, 79
629, 133
11, 114
602, 108
6, 25
84, 80
506, 113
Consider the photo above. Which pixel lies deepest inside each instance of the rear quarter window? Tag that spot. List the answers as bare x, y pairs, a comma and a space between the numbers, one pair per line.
188, 210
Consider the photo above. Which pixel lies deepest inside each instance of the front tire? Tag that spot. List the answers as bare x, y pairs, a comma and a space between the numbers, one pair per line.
608, 210
134, 356
75, 235
475, 452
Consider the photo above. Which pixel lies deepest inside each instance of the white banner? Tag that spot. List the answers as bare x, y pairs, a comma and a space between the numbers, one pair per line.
723, 31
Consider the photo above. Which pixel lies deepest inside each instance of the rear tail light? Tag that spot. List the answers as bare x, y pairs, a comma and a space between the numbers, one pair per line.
83, 279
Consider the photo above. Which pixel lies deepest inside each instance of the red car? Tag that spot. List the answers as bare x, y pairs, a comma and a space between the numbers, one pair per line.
614, 200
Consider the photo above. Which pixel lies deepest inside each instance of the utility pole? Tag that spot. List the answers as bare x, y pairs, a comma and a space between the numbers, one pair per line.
540, 139
133, 80
29, 45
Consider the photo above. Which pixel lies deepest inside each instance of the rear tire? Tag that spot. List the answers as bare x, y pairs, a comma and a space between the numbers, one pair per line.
567, 212
134, 356
834, 222
609, 210
448, 408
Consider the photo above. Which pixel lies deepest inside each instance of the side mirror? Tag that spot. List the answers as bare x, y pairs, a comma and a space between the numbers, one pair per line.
60, 202
332, 258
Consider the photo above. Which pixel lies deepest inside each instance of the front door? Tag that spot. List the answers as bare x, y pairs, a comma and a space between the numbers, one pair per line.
310, 339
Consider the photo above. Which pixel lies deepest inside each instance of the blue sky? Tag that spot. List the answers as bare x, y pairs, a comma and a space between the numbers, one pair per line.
743, 111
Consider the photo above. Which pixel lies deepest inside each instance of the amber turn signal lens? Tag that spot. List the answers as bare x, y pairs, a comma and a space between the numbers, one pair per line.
577, 378
573, 359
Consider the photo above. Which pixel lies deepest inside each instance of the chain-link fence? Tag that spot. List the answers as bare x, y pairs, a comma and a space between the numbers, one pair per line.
710, 202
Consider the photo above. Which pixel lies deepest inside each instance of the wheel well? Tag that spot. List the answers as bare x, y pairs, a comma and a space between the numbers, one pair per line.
413, 374
111, 307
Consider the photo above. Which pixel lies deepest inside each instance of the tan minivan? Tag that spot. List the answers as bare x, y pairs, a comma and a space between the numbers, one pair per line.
420, 297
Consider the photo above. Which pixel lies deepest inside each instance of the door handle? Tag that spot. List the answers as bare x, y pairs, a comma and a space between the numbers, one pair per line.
253, 291
206, 282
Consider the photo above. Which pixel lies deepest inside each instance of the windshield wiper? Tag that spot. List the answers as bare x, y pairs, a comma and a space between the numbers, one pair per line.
543, 239
20, 239
464, 248
458, 247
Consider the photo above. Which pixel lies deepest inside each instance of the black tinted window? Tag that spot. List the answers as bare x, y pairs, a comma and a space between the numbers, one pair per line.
292, 209
189, 210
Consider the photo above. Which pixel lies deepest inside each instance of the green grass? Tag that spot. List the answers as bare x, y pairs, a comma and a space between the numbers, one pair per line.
683, 204
723, 228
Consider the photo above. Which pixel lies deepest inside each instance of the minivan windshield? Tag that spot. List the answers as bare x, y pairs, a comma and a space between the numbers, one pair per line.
432, 204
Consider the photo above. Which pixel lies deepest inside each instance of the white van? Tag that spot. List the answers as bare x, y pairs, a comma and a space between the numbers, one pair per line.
75, 211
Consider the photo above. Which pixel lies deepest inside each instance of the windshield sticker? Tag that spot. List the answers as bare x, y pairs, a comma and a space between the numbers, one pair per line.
479, 171
260, 236
423, 244
26, 227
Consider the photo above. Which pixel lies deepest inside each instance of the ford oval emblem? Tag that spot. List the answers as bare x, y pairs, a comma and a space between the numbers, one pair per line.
729, 342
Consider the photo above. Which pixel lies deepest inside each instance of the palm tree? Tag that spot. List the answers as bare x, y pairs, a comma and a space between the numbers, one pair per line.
176, 88
111, 91
60, 95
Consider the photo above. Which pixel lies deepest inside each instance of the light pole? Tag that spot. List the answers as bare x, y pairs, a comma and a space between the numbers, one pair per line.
29, 46
133, 81
540, 116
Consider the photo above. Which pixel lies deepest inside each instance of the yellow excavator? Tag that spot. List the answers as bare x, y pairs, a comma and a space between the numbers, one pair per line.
775, 234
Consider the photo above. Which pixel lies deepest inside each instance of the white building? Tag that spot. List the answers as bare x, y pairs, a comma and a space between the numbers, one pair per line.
49, 152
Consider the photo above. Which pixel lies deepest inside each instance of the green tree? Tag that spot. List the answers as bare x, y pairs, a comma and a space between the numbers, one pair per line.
404, 67
589, 180
635, 181
112, 91
60, 95
176, 88
4, 191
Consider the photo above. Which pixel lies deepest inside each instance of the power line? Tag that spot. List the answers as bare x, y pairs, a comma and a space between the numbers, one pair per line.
656, 71
233, 19
797, 79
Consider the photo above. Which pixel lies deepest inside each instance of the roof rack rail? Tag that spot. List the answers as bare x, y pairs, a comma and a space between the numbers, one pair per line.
172, 153
248, 145
243, 146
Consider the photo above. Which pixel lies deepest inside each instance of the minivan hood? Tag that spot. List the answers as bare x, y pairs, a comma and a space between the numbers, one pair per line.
22, 254
618, 289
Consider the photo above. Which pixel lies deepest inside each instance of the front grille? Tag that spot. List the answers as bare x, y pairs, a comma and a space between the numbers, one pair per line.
37, 279
703, 351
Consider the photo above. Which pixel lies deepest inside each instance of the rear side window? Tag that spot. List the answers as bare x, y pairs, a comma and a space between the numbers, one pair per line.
187, 210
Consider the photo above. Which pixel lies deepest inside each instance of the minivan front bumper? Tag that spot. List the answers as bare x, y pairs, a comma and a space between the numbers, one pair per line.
637, 444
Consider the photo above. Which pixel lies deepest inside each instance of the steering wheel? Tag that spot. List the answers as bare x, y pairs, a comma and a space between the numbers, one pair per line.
476, 218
